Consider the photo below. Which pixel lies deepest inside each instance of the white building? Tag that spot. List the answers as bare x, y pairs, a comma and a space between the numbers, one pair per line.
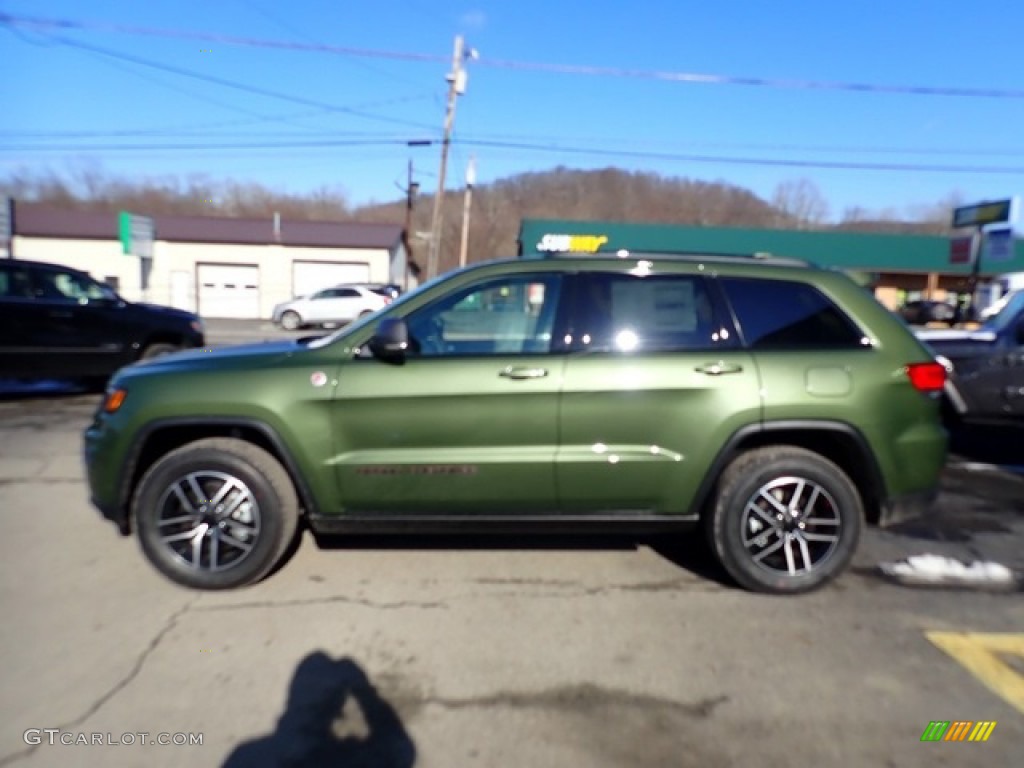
218, 267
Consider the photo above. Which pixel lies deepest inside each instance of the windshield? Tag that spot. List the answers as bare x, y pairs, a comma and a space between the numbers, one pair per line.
1005, 316
107, 292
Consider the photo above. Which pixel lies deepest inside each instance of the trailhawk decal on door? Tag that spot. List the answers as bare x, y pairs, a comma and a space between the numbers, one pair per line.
422, 469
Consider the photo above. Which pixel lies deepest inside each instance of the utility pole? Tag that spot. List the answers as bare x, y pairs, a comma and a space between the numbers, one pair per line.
467, 202
456, 87
411, 188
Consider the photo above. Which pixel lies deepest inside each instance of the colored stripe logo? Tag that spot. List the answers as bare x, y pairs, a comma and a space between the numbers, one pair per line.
958, 730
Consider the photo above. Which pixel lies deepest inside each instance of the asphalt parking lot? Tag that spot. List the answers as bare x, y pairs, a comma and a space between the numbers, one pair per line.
533, 651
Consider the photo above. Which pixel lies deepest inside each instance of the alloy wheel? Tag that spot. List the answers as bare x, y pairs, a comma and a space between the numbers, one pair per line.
208, 519
791, 526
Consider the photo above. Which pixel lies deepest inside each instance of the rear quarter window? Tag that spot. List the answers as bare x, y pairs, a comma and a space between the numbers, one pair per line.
785, 314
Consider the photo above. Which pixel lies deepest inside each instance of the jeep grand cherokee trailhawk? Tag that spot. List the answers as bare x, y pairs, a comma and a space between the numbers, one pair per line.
777, 404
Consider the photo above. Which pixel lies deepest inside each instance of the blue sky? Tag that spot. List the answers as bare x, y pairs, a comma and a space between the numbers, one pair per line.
136, 103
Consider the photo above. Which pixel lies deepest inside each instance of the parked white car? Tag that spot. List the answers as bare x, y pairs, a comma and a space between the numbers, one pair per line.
336, 305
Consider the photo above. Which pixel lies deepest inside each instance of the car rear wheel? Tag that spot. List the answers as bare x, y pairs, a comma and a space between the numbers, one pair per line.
291, 321
217, 513
785, 520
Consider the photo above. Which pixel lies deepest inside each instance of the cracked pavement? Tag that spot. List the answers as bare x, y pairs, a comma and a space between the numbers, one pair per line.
539, 652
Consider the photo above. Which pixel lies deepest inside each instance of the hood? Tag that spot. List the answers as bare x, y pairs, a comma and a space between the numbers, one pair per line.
169, 311
206, 358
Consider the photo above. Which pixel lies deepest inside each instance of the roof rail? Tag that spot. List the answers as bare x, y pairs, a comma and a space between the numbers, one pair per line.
692, 256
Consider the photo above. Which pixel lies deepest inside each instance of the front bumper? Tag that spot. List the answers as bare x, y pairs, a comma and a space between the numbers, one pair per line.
906, 508
104, 490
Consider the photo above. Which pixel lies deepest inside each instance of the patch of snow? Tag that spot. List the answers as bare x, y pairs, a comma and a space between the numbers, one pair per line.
936, 569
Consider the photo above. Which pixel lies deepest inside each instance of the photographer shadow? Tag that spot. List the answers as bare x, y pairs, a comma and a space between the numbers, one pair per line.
334, 718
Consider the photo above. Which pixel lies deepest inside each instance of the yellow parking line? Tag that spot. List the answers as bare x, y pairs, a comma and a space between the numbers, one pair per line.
977, 651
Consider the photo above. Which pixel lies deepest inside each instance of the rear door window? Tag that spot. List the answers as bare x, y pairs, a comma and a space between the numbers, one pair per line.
784, 314
617, 312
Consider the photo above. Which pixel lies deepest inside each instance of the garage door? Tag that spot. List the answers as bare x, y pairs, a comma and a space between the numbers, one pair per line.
310, 276
229, 290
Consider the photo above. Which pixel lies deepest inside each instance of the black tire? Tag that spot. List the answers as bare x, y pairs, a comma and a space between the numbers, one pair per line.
156, 350
765, 554
291, 321
268, 501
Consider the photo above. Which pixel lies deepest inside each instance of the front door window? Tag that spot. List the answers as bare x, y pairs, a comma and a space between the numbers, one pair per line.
506, 316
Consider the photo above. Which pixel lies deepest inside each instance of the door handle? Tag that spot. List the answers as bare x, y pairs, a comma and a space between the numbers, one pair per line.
717, 369
524, 373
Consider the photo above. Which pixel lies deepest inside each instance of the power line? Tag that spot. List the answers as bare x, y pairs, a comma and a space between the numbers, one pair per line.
236, 85
69, 24
579, 142
775, 147
523, 146
192, 129
837, 165
191, 132
201, 129
284, 24
202, 146
135, 72
710, 79
12, 20
231, 83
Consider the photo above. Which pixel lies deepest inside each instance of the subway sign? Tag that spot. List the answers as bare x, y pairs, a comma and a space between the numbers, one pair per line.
571, 243
981, 214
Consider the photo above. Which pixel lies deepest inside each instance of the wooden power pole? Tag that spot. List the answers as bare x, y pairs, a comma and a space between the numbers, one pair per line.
456, 87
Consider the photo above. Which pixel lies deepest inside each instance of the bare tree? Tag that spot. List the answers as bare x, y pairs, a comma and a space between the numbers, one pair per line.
937, 217
800, 204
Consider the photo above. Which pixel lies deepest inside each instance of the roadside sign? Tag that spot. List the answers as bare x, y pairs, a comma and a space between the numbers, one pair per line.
137, 234
982, 213
961, 250
998, 245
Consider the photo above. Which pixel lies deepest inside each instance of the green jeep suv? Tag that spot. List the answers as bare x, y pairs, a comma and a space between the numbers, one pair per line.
776, 404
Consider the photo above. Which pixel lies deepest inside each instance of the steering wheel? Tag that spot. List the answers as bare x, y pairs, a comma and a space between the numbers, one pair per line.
428, 336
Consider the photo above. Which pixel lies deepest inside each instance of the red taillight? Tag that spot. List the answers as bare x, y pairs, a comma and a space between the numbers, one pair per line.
927, 377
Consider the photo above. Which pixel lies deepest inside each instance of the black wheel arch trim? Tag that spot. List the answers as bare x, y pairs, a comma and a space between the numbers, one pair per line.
128, 470
730, 451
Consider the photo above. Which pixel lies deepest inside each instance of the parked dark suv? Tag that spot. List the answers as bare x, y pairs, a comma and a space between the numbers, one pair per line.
58, 322
779, 405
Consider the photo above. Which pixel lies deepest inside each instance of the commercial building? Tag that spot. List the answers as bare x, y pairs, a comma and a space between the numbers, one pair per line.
218, 267
895, 265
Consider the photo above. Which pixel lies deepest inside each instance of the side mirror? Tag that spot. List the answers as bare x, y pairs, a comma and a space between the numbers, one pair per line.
391, 340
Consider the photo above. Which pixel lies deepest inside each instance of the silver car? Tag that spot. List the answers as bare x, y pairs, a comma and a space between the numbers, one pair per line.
331, 306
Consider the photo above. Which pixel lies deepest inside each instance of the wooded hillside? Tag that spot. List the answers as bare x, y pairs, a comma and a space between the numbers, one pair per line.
609, 194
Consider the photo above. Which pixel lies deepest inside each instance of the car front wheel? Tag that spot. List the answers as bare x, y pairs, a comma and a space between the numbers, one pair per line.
217, 513
157, 350
785, 520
